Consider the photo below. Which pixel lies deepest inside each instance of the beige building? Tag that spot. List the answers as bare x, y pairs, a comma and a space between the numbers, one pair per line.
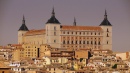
123, 55
4, 68
65, 36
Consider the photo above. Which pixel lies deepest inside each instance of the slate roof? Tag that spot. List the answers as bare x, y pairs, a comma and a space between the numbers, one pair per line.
53, 20
105, 22
23, 27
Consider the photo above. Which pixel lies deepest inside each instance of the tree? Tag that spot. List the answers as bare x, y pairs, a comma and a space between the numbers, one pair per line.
114, 66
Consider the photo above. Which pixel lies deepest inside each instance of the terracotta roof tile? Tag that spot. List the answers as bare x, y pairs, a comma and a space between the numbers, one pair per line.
67, 27
16, 45
35, 32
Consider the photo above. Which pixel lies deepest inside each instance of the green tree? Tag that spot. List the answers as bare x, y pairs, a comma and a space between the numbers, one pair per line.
114, 66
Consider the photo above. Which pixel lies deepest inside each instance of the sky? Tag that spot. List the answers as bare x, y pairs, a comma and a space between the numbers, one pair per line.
86, 12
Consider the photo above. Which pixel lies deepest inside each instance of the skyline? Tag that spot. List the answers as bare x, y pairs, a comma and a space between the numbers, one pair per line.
91, 14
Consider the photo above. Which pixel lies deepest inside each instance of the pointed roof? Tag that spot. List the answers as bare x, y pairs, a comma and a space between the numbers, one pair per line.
74, 22
53, 18
23, 27
105, 22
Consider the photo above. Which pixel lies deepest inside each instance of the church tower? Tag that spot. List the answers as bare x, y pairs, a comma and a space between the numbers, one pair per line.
22, 30
53, 31
107, 33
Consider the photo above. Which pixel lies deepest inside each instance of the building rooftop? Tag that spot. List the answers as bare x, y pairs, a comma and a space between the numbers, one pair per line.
68, 27
35, 32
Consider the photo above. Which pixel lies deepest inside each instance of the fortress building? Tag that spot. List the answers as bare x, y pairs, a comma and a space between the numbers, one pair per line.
73, 36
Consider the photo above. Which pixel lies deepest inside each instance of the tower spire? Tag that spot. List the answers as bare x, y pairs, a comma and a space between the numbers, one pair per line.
105, 22
74, 22
53, 12
105, 16
23, 22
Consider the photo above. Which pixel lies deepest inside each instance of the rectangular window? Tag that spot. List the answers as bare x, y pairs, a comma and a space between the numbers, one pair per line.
54, 33
54, 41
54, 28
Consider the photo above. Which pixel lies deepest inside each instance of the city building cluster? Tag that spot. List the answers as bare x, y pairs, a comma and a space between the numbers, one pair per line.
64, 49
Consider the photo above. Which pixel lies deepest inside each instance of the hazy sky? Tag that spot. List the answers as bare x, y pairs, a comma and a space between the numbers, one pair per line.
87, 12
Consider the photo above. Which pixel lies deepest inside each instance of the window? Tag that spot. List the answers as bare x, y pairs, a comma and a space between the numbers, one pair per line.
84, 33
79, 42
87, 33
91, 42
54, 41
107, 35
68, 32
95, 42
54, 28
99, 43
99, 33
95, 33
75, 32
67, 42
80, 33
87, 42
71, 42
83, 42
72, 32
107, 42
64, 32
75, 42
54, 33
91, 33
3, 72
107, 30
64, 42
